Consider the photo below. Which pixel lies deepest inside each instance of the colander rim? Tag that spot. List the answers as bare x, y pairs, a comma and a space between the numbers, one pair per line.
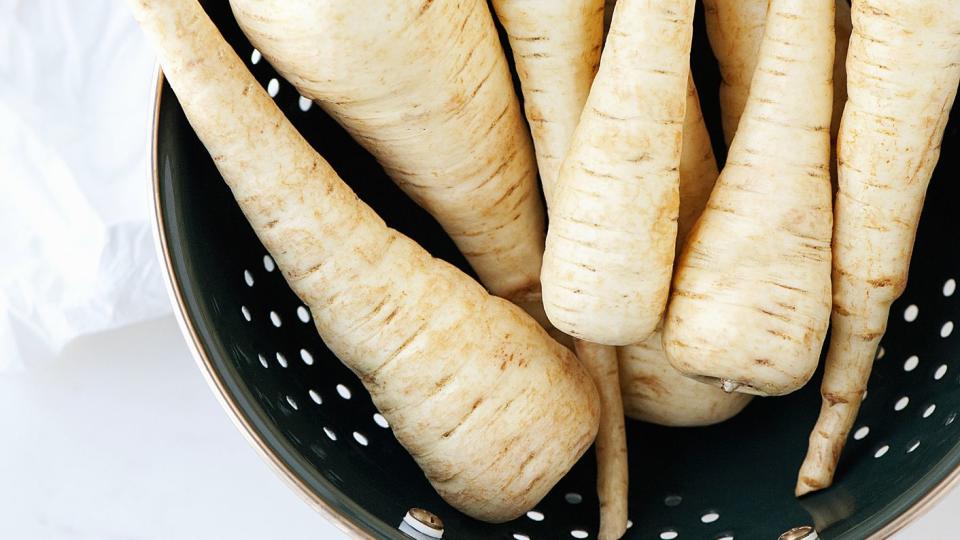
197, 350
280, 466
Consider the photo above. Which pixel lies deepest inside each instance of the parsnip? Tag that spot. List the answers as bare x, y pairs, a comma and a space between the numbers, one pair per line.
903, 70
652, 389
735, 29
844, 28
425, 87
698, 167
556, 48
751, 298
613, 479
610, 246
491, 408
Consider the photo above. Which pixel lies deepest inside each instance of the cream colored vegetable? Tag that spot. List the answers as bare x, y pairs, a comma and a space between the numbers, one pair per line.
903, 70
844, 27
751, 298
491, 408
612, 236
556, 48
425, 87
613, 481
652, 389
735, 29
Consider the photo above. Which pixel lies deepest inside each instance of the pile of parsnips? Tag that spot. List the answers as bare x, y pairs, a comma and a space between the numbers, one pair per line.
685, 289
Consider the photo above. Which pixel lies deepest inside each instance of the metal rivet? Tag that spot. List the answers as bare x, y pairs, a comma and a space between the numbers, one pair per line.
421, 524
801, 533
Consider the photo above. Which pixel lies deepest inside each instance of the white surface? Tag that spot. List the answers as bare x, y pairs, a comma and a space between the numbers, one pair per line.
75, 99
120, 437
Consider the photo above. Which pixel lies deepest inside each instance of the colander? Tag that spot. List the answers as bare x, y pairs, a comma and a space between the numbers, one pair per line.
313, 421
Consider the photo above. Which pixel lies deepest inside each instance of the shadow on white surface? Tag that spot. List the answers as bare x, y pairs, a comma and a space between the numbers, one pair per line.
121, 438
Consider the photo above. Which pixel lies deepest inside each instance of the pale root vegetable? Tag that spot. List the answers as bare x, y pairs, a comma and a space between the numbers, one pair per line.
751, 299
698, 167
556, 49
653, 391
613, 221
611, 443
844, 27
735, 29
426, 88
902, 74
491, 408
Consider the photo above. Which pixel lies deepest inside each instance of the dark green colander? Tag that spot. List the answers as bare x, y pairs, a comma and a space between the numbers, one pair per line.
312, 418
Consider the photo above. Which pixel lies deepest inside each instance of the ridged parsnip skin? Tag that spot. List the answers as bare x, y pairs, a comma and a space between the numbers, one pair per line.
491, 408
611, 443
844, 27
903, 70
698, 166
425, 87
735, 30
751, 299
653, 391
556, 49
610, 247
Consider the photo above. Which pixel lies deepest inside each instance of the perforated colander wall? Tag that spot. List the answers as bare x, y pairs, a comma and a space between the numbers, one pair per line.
729, 481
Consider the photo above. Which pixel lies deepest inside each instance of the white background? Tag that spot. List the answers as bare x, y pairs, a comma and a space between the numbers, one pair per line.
120, 438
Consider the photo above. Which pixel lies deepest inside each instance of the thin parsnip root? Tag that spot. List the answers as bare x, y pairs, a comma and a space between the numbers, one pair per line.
751, 299
611, 443
902, 74
426, 88
612, 236
556, 48
491, 408
735, 30
653, 391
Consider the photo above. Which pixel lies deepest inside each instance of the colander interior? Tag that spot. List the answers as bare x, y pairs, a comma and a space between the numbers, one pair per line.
733, 481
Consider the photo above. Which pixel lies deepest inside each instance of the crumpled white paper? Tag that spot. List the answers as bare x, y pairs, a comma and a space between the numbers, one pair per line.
75, 109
